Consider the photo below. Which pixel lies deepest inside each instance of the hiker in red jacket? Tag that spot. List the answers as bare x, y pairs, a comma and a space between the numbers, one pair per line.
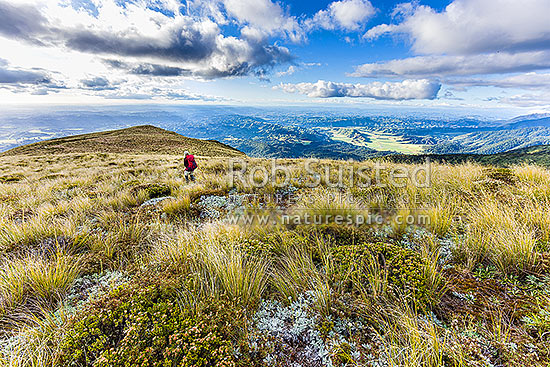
190, 166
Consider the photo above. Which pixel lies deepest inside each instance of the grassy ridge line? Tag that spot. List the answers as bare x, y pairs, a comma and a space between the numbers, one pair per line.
142, 139
539, 155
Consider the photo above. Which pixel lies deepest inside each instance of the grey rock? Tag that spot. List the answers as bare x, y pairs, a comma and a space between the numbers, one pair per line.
156, 201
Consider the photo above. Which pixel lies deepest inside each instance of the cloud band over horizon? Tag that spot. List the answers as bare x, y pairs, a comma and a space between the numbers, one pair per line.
214, 50
405, 90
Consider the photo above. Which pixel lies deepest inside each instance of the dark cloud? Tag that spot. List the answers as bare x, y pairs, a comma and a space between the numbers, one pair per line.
19, 76
261, 60
159, 70
97, 83
34, 81
197, 43
188, 42
43, 91
22, 22
191, 45
148, 69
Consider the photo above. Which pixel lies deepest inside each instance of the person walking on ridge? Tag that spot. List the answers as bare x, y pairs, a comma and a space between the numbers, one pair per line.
190, 166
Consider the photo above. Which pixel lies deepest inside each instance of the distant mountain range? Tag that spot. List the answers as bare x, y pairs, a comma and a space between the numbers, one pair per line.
361, 137
520, 132
539, 155
290, 132
152, 140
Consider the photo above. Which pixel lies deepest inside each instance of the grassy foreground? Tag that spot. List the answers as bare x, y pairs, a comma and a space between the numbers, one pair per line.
93, 273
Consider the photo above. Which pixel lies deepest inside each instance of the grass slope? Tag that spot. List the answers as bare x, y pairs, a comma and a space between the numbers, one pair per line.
94, 273
539, 155
140, 139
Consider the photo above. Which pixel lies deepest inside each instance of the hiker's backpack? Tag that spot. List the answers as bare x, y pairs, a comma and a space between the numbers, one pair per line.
192, 163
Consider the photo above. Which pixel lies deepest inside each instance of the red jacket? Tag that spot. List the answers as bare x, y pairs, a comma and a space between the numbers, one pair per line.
189, 163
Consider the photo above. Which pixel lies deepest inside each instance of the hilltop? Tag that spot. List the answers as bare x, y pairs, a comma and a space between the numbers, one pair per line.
539, 154
145, 139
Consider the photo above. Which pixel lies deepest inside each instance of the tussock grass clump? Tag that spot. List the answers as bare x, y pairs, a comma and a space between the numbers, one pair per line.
33, 281
216, 264
122, 241
442, 214
325, 202
297, 273
38, 342
408, 340
27, 233
179, 207
231, 272
497, 235
533, 175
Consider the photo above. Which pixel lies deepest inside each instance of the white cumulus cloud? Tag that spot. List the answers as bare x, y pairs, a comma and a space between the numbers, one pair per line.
475, 26
264, 18
443, 65
468, 37
349, 15
405, 90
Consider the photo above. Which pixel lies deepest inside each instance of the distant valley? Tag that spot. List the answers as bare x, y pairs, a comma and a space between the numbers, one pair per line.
289, 132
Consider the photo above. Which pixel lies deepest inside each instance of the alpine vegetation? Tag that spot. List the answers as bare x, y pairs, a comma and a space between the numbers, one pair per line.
114, 259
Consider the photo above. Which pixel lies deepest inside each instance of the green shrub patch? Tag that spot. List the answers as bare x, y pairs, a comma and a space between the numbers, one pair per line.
403, 268
153, 190
148, 327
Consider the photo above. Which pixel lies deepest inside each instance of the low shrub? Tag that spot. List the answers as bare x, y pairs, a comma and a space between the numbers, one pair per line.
256, 248
505, 175
147, 327
343, 234
404, 269
153, 190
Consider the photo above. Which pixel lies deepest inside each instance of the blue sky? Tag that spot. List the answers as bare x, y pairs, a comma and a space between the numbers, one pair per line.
474, 54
